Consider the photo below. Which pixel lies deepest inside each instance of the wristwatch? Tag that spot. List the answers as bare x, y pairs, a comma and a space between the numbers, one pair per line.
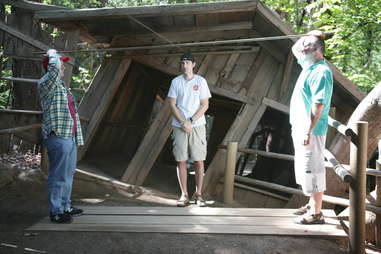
191, 120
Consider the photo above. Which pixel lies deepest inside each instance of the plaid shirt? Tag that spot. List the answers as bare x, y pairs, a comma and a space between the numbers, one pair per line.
54, 103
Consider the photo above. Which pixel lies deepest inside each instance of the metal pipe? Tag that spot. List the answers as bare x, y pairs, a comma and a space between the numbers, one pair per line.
187, 44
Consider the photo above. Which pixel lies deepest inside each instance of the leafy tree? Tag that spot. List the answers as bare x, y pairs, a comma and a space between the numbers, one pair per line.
356, 24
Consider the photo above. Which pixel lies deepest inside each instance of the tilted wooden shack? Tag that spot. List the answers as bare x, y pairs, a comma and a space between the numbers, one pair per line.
249, 80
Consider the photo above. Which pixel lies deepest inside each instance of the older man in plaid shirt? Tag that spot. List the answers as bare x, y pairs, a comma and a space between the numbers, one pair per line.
62, 133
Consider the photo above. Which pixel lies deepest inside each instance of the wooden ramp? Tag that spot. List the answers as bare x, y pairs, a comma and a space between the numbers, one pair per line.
195, 220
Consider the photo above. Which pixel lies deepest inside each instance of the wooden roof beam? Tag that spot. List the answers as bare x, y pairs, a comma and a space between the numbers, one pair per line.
31, 6
146, 11
179, 31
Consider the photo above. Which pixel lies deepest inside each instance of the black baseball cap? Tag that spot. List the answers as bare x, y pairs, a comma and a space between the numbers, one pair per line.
187, 56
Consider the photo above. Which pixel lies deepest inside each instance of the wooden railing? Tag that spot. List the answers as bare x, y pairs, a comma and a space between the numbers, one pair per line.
354, 175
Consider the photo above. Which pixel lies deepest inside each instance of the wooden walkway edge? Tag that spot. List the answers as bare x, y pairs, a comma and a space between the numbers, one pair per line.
209, 220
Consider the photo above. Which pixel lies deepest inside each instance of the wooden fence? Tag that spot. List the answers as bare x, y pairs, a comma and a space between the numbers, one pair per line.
354, 175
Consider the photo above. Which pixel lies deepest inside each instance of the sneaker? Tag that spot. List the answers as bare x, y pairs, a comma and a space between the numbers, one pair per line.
60, 218
74, 211
312, 219
183, 201
198, 200
303, 210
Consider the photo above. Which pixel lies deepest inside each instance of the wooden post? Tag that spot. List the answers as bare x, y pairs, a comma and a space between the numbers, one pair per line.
230, 171
358, 160
378, 198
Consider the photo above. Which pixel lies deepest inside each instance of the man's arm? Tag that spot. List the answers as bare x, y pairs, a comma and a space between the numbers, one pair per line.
204, 105
316, 111
53, 71
176, 113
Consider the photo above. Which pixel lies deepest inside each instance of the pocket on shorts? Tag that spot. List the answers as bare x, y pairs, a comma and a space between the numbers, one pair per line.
201, 134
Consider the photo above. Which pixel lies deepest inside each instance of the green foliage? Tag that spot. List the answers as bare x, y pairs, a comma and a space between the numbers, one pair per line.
5, 89
354, 48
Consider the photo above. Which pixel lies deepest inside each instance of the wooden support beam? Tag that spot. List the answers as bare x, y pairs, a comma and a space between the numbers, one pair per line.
23, 37
378, 199
267, 193
32, 112
27, 39
146, 11
150, 147
15, 111
31, 5
179, 32
277, 187
26, 80
286, 85
99, 96
109, 181
276, 105
258, 89
20, 129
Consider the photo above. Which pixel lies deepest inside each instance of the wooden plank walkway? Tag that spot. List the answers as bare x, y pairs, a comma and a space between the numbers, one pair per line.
195, 220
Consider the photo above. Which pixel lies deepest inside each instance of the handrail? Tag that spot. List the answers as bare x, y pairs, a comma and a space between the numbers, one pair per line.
20, 129
344, 174
278, 187
343, 129
339, 169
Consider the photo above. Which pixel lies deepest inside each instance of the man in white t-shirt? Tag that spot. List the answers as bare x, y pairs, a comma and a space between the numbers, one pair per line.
189, 99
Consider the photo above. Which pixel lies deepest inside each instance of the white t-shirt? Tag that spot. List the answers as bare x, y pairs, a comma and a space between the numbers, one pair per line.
188, 95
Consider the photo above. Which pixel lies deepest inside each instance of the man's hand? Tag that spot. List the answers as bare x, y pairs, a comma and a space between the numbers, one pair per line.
187, 126
306, 139
317, 33
51, 52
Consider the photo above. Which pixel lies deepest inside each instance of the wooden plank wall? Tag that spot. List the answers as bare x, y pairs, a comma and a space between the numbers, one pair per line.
126, 121
244, 77
99, 96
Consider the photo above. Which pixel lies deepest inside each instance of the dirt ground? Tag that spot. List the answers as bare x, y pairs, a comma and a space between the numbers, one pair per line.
23, 203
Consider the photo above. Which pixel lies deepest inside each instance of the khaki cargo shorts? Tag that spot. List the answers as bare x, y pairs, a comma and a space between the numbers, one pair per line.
189, 145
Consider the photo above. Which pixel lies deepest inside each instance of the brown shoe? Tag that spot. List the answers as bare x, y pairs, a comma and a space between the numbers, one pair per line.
198, 200
183, 201
303, 210
313, 219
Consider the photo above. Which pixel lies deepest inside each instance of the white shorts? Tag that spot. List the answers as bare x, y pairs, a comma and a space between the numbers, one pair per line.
309, 163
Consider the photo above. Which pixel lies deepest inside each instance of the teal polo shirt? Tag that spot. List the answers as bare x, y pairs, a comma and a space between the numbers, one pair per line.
314, 85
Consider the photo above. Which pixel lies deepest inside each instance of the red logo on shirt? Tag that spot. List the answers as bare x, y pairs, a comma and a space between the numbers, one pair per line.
195, 87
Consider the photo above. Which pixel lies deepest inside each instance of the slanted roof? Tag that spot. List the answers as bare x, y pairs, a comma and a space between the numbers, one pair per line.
177, 23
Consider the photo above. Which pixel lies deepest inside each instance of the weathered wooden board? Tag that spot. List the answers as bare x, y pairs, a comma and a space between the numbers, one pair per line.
150, 147
195, 220
99, 96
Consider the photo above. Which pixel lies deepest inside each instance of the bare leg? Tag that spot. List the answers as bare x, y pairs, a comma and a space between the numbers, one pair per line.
316, 200
199, 176
182, 177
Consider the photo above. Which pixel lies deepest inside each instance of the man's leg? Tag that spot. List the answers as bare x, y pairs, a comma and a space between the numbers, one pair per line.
58, 162
182, 177
199, 176
316, 200
69, 174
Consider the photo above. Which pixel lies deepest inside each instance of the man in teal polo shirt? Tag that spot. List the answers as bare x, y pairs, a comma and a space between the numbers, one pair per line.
309, 108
